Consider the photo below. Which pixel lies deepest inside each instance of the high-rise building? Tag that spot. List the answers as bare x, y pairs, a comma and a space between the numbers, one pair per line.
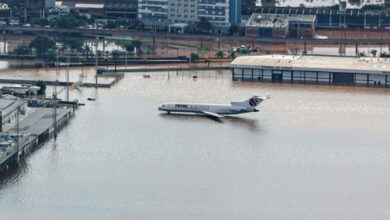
160, 13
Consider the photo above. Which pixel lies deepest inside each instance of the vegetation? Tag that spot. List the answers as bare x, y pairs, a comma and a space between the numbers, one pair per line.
207, 60
115, 54
204, 25
220, 55
387, 3
130, 45
42, 44
373, 52
22, 50
42, 86
384, 54
87, 51
69, 21
40, 21
73, 43
111, 24
194, 57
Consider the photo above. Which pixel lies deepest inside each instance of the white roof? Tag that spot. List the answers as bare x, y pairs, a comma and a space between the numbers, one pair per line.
86, 5
315, 63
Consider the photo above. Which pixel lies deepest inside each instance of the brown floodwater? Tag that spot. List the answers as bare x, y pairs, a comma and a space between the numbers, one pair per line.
312, 152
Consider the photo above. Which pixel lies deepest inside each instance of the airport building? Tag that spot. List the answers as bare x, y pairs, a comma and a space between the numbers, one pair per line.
280, 26
365, 71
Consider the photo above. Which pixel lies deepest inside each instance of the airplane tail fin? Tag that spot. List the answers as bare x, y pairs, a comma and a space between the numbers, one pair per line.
252, 102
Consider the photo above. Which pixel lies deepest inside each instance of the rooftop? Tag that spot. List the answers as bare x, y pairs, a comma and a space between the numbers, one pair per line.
276, 20
316, 63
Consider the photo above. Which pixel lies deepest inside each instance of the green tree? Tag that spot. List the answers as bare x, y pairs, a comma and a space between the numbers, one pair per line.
87, 51
207, 60
204, 25
373, 52
22, 50
129, 45
387, 3
69, 21
42, 86
194, 57
73, 43
220, 55
42, 44
115, 54
233, 29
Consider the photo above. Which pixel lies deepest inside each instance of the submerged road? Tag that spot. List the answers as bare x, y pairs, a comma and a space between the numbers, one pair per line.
197, 37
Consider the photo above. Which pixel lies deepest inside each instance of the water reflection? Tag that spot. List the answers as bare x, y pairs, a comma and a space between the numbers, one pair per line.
236, 121
14, 173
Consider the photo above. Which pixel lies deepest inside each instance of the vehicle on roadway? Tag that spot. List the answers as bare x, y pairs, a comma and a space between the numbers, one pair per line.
215, 110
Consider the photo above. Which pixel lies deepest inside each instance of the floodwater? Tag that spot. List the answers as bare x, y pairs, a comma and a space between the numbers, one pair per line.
312, 152
324, 3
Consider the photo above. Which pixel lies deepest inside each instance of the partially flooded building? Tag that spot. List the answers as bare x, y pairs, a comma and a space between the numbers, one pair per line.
364, 71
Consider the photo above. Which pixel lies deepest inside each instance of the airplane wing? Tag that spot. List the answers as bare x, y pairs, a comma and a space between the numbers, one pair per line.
212, 114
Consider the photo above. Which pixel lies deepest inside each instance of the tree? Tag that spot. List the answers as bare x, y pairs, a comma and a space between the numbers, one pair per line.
220, 55
73, 43
387, 3
69, 21
130, 45
42, 86
87, 51
42, 44
194, 57
207, 60
22, 50
204, 25
373, 52
115, 55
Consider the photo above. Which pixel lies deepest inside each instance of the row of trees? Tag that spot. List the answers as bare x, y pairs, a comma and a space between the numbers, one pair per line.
44, 45
194, 57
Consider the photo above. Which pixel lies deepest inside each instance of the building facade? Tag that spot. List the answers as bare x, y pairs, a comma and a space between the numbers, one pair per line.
280, 25
158, 14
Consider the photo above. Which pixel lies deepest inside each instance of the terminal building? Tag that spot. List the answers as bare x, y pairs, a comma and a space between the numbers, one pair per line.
364, 71
280, 26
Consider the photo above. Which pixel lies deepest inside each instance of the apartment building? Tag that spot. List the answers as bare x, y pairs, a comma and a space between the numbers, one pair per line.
158, 14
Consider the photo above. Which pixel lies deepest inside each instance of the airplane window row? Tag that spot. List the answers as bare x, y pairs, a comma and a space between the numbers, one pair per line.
181, 106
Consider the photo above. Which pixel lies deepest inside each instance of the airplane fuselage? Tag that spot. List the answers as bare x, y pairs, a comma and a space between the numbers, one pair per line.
200, 108
215, 110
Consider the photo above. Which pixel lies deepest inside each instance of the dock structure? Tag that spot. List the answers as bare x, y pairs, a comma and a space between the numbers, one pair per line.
332, 70
33, 130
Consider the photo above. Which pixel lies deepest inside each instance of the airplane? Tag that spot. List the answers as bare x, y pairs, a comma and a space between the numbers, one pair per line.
215, 110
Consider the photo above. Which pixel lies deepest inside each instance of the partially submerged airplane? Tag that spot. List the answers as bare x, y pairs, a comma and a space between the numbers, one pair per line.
215, 110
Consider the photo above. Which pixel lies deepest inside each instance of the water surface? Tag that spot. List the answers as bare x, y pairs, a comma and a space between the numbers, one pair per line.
312, 152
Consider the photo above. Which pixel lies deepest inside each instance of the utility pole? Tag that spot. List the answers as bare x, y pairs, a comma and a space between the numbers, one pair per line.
126, 59
55, 110
67, 75
17, 133
96, 61
4, 45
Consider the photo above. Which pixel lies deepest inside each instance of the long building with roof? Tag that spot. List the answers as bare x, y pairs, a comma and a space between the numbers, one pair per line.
368, 71
333, 17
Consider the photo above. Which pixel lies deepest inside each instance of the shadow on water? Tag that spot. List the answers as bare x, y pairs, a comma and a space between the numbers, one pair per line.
236, 121
13, 173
